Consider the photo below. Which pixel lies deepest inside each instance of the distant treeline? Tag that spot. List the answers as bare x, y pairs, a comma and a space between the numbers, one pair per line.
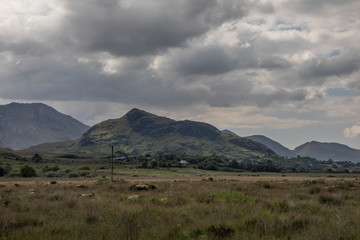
216, 163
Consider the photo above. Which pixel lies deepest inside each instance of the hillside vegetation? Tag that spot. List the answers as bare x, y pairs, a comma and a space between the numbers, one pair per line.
139, 132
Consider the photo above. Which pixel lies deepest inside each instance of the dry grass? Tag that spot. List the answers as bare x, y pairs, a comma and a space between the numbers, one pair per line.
241, 208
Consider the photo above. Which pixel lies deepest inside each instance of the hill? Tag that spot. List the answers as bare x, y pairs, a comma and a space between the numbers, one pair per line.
139, 132
326, 151
25, 125
314, 149
273, 145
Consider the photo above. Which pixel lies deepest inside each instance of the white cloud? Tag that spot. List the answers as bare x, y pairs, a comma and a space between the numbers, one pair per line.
352, 132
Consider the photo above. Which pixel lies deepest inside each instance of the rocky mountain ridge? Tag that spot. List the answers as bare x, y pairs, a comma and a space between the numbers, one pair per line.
24, 125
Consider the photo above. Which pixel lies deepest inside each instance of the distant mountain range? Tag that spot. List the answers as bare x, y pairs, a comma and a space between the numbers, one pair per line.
318, 150
140, 132
25, 125
273, 145
326, 151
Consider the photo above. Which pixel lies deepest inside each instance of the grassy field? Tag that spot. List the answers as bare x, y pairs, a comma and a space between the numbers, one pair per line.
181, 207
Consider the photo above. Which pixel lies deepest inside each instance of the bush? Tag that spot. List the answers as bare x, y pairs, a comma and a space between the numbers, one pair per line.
56, 168
73, 175
27, 171
212, 167
36, 158
54, 174
48, 169
84, 174
2, 171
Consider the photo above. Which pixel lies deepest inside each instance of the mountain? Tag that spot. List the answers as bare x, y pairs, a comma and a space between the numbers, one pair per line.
140, 132
24, 125
326, 151
318, 150
273, 145
229, 132
8, 154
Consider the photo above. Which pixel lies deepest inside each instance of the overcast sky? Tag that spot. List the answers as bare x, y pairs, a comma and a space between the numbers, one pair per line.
287, 69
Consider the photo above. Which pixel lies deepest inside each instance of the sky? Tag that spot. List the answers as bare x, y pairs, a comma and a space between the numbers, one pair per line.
287, 69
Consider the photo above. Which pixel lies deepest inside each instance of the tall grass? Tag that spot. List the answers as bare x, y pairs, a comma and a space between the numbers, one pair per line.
181, 210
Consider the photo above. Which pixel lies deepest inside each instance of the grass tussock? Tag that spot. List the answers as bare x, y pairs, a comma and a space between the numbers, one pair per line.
103, 209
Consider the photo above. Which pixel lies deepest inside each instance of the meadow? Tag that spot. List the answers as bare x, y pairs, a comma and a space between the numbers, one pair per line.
178, 207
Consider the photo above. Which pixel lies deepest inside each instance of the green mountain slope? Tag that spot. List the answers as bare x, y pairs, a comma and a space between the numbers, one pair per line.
139, 132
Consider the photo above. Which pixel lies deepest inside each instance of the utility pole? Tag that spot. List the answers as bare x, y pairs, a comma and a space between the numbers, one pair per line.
112, 163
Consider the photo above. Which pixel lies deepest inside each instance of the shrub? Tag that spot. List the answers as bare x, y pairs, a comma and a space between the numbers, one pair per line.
84, 174
153, 164
36, 158
212, 167
2, 171
215, 232
46, 169
56, 168
54, 174
27, 171
73, 175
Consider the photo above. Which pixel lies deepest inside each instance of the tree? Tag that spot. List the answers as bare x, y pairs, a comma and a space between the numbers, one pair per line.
27, 171
234, 164
36, 158
153, 164
2, 171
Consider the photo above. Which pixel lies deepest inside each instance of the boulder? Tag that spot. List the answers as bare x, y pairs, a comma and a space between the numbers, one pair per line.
87, 195
142, 187
133, 197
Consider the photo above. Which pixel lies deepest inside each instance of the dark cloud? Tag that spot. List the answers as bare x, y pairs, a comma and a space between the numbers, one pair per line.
63, 79
354, 84
275, 62
230, 95
310, 6
322, 67
67, 79
144, 27
213, 60
28, 47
